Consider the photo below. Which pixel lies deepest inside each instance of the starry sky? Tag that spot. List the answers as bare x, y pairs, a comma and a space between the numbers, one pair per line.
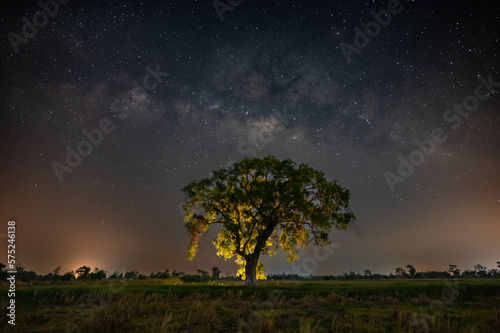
179, 88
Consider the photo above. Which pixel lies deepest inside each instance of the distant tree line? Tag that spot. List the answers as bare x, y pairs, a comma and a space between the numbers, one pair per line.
85, 273
409, 272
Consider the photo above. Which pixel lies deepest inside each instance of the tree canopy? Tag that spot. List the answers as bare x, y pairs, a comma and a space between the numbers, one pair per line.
264, 203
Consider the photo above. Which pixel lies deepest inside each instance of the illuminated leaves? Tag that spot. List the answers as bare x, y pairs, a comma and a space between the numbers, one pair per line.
263, 204
260, 275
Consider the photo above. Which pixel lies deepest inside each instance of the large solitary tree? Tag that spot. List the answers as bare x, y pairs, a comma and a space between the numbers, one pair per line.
262, 204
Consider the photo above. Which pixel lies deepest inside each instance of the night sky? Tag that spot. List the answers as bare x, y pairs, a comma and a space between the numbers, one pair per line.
177, 92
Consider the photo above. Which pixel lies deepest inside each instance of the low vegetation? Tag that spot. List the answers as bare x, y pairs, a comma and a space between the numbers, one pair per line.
171, 305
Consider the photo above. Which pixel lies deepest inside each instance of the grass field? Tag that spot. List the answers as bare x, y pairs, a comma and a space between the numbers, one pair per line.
464, 305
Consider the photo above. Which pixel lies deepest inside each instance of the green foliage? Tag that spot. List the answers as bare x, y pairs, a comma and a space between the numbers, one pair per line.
161, 275
83, 273
260, 274
263, 204
411, 270
216, 273
400, 272
97, 274
195, 278
133, 274
68, 276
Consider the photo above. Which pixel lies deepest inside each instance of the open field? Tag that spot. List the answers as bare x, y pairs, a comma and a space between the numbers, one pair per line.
464, 305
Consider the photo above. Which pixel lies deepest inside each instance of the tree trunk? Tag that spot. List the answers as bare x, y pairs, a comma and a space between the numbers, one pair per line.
251, 270
253, 259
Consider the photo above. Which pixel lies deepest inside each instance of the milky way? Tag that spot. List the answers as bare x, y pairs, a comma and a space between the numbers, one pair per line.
110, 108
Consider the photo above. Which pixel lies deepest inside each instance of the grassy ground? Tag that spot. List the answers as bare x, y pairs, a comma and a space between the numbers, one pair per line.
329, 306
